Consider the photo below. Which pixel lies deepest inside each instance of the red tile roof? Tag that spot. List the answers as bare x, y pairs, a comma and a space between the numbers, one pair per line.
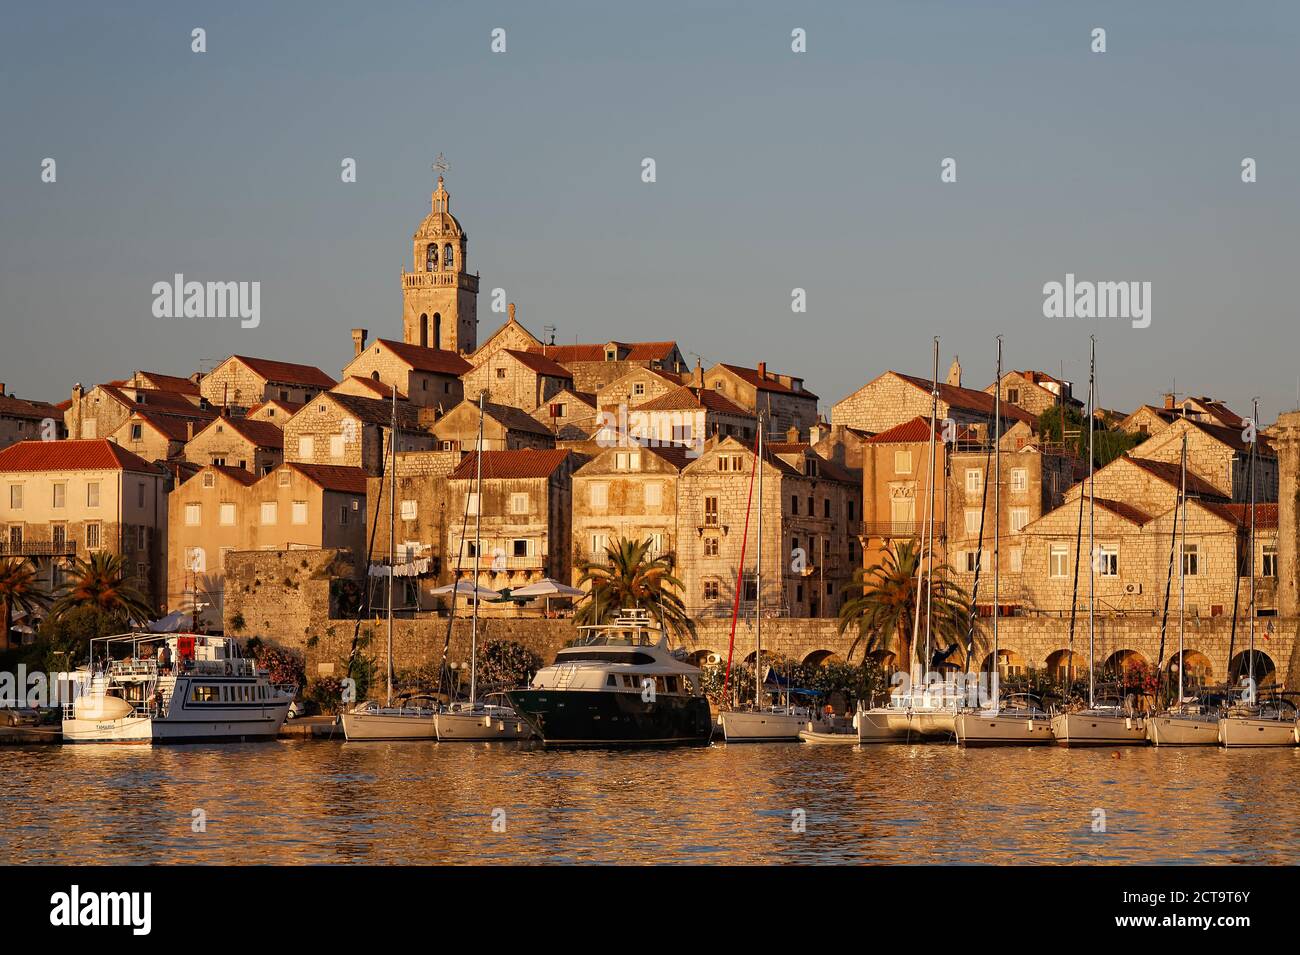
235, 474
377, 388
331, 477
261, 433
687, 398
174, 383
909, 432
636, 351
374, 410
539, 364
1239, 514
11, 407
286, 372
504, 465
768, 383
91, 454
162, 402
1172, 474
1126, 511
290, 408
436, 360
172, 427
968, 399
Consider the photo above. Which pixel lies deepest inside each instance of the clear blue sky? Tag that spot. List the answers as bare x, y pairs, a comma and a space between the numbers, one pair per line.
775, 170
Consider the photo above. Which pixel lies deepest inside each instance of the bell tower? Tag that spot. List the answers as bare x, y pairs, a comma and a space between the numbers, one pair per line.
440, 297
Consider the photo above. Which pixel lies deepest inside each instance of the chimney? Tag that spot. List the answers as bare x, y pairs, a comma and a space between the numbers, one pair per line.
358, 341
792, 434
78, 392
1169, 402
2, 389
697, 377
818, 431
954, 372
189, 430
762, 370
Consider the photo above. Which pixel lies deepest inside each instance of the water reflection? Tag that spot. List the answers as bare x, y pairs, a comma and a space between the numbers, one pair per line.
304, 802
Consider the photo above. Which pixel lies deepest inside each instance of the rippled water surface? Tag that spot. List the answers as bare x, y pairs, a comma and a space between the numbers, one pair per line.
328, 802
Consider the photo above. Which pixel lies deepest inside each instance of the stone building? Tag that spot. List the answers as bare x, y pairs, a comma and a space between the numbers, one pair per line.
894, 398
252, 445
810, 508
223, 509
439, 295
782, 399
690, 416
22, 420
154, 437
1035, 391
240, 382
350, 431
522, 380
64, 499
526, 512
275, 411
1146, 420
504, 429
102, 410
635, 388
569, 415
626, 493
1218, 455
595, 367
427, 377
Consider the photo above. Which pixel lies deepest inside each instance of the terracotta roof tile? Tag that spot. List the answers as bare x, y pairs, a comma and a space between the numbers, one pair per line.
523, 463
331, 477
1126, 511
173, 383
436, 360
687, 398
769, 383
261, 433
1172, 474
376, 388
11, 407
286, 372
539, 364
161, 402
91, 454
636, 351
243, 477
968, 399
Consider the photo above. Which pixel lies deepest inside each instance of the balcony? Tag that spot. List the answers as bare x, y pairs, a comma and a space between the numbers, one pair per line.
37, 549
899, 529
416, 280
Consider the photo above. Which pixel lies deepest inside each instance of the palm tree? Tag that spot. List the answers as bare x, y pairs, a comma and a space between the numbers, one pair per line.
880, 602
630, 577
19, 591
101, 582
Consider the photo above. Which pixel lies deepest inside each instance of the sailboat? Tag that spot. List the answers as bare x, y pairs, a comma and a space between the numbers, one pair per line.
1097, 724
476, 719
410, 716
762, 722
921, 709
1185, 724
1251, 722
1021, 722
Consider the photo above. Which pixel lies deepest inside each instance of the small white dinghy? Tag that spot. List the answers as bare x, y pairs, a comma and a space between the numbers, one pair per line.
829, 738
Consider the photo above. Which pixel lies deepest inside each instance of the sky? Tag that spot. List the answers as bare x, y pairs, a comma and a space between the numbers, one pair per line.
775, 170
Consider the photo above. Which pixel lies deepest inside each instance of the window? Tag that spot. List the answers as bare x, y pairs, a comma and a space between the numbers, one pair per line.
851, 509
471, 503
826, 508
210, 479
16, 536
654, 494
1013, 395
226, 514
448, 257
599, 494
1019, 480
139, 495
1017, 559
711, 590
973, 515
682, 433
285, 477
501, 373
60, 495
136, 432
92, 536
92, 494
1191, 560
343, 515
1058, 560
1108, 560
58, 536
520, 504
794, 504
193, 515
710, 547
638, 389
269, 512
195, 560
711, 512
1268, 564
974, 480
306, 447
521, 547
628, 460
410, 510
336, 446
1019, 518
971, 558
297, 513
902, 462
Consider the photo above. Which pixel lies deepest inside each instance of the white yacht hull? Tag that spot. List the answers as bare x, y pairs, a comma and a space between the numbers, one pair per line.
882, 726
745, 726
389, 726
233, 726
1235, 731
1097, 729
1003, 729
1175, 730
481, 725
932, 724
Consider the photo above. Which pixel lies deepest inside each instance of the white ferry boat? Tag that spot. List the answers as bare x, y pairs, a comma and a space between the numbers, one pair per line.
202, 691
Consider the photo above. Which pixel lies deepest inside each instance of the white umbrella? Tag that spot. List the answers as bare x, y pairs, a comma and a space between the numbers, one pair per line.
23, 628
171, 623
467, 589
548, 587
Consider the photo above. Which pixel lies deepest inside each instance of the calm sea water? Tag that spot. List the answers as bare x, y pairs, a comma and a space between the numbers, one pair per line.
326, 802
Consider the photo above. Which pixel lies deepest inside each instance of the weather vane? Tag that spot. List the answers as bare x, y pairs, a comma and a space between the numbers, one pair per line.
440, 165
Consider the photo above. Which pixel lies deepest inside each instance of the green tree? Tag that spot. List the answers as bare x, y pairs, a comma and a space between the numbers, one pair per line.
63, 642
19, 591
630, 577
1107, 444
101, 581
880, 603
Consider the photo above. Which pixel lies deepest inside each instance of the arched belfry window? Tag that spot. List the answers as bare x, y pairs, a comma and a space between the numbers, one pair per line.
431, 258
424, 331
437, 330
448, 257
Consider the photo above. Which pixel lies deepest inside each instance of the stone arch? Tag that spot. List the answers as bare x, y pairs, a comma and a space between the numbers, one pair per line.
431, 257
1121, 662
1198, 670
437, 331
707, 658
822, 658
424, 330
1064, 665
884, 658
1265, 668
448, 257
1010, 663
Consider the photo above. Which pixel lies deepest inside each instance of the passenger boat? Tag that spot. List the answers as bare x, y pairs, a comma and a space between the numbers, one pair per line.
209, 693
409, 716
617, 684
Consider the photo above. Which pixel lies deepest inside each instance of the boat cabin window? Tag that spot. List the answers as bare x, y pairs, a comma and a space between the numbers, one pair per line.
203, 694
611, 680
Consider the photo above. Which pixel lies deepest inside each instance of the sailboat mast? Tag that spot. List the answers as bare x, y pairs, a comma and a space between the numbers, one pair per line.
1092, 559
1254, 421
392, 518
997, 523
929, 551
1182, 570
928, 519
478, 527
758, 578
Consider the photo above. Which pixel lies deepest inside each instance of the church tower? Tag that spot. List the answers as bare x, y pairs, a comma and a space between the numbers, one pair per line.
440, 298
